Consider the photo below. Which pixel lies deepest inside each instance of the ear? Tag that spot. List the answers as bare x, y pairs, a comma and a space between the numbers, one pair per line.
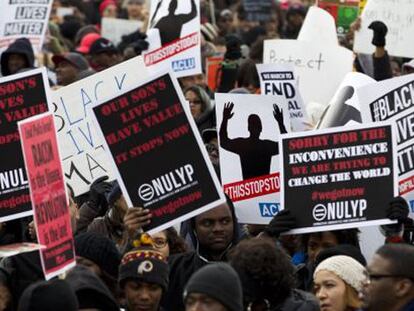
404, 287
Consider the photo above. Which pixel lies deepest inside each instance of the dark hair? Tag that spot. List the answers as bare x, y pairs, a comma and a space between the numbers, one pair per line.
201, 94
264, 269
175, 242
349, 236
247, 74
401, 258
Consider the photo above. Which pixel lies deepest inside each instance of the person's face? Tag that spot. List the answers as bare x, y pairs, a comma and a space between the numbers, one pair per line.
93, 267
142, 296
110, 11
212, 149
66, 73
214, 228
16, 62
195, 104
318, 243
104, 60
225, 23
161, 243
330, 291
378, 294
201, 302
295, 20
135, 9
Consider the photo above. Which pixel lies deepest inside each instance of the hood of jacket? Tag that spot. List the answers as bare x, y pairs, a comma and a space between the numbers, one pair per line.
21, 46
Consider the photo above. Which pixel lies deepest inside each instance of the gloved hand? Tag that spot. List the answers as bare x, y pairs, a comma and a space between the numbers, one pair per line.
282, 222
380, 31
398, 209
97, 195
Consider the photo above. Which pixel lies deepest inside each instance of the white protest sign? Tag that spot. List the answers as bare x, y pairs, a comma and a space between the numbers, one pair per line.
398, 16
344, 107
24, 19
318, 27
320, 69
83, 156
249, 130
114, 28
279, 81
174, 37
393, 100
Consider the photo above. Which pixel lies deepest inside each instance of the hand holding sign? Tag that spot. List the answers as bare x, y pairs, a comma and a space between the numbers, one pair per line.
135, 219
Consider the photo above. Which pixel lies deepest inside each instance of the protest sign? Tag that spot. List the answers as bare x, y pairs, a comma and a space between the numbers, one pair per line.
398, 16
83, 156
21, 96
279, 82
345, 12
331, 177
18, 248
320, 68
174, 37
24, 19
258, 10
318, 28
249, 132
146, 130
48, 194
114, 28
393, 100
344, 107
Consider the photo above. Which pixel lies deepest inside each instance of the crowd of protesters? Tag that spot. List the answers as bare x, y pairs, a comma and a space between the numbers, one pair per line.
213, 263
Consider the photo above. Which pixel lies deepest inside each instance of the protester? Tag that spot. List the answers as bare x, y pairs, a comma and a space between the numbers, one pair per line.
390, 285
103, 54
201, 107
267, 277
136, 10
337, 282
215, 287
69, 67
18, 56
143, 278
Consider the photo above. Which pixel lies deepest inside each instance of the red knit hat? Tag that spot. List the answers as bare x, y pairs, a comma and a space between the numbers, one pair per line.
104, 4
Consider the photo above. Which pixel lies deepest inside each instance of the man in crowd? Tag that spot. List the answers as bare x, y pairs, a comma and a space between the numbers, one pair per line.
69, 67
391, 279
18, 56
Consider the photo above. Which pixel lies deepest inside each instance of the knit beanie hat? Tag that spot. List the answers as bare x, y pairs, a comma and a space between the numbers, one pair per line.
346, 268
145, 265
48, 296
220, 282
99, 249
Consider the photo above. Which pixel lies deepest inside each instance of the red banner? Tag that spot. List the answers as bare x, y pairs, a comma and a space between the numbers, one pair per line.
48, 194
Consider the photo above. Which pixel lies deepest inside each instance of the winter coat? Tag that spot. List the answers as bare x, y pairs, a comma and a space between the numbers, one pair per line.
299, 301
21, 46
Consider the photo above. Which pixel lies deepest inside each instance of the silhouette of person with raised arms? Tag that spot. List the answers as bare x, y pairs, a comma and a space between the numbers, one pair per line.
170, 25
255, 153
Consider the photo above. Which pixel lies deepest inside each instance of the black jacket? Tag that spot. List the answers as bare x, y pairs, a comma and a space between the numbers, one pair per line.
21, 46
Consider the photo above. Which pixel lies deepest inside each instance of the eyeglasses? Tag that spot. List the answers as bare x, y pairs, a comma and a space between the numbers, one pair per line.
375, 277
160, 242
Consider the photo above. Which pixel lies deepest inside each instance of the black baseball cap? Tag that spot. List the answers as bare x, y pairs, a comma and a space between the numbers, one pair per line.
103, 45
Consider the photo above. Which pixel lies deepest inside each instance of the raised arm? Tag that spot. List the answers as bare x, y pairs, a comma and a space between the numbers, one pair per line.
278, 114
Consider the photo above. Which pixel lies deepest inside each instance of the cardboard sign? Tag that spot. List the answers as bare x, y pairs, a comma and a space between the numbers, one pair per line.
147, 131
344, 108
174, 37
320, 69
114, 28
48, 194
279, 81
393, 100
331, 178
249, 130
258, 10
345, 12
398, 16
24, 19
83, 156
21, 96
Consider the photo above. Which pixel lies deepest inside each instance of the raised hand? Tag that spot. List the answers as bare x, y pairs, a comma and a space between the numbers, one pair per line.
227, 111
135, 219
278, 113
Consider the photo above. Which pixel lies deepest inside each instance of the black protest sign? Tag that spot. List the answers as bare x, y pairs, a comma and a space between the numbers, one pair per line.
158, 153
258, 10
21, 96
339, 178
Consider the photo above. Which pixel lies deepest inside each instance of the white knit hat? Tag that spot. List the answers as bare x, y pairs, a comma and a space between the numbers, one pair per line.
346, 268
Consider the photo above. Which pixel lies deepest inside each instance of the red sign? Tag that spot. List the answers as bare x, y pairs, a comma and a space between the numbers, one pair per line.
48, 194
